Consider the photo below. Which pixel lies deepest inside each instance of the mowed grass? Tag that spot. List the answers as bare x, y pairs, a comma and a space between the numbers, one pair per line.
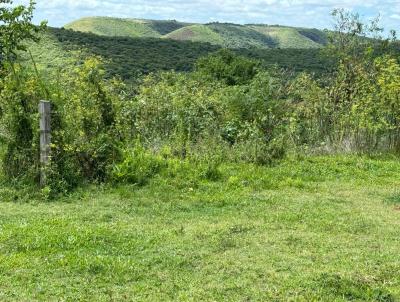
314, 229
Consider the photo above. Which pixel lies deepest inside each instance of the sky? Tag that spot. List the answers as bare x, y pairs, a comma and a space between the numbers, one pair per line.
305, 13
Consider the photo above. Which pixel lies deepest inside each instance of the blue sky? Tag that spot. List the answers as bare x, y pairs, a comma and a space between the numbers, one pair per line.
307, 13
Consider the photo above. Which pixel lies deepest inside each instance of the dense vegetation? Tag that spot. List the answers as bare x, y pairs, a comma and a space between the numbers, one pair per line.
127, 57
236, 179
229, 108
221, 34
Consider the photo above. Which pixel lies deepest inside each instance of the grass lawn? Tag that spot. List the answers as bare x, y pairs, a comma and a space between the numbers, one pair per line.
317, 229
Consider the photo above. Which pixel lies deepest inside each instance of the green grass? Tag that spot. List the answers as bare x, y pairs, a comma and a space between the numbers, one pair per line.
240, 36
224, 35
221, 34
289, 37
316, 229
196, 33
107, 26
113, 27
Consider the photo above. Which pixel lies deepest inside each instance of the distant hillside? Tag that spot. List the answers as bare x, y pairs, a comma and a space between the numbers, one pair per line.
127, 57
290, 37
196, 33
221, 34
106, 26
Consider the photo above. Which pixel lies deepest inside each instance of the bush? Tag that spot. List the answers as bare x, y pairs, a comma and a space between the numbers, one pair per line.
226, 66
137, 167
186, 124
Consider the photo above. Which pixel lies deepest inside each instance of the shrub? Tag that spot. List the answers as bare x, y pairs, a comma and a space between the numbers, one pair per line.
226, 66
137, 167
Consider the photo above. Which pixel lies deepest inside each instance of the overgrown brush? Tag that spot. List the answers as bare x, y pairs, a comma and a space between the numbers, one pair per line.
229, 109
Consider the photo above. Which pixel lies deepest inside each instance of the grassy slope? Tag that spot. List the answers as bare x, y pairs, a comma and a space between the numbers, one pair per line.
113, 27
225, 35
287, 37
315, 35
196, 33
319, 229
240, 36
106, 26
251, 36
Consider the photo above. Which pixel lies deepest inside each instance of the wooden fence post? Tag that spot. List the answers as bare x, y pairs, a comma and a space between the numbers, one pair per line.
45, 139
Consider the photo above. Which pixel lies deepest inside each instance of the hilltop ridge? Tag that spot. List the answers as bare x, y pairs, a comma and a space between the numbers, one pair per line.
228, 35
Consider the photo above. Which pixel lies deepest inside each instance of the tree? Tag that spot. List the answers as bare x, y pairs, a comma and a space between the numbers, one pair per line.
358, 112
353, 44
16, 28
226, 66
18, 100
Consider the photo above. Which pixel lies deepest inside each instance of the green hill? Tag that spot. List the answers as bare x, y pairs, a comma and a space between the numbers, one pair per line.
127, 57
196, 33
221, 34
106, 26
240, 36
290, 37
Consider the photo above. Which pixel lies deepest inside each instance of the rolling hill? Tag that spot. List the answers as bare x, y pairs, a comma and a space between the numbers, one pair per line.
289, 37
196, 33
128, 57
107, 26
220, 34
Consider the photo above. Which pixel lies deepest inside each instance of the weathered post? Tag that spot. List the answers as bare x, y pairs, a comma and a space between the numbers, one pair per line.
45, 139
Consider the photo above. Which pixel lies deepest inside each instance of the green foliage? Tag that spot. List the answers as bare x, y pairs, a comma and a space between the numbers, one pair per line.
92, 111
19, 102
353, 111
186, 110
137, 167
225, 66
177, 107
127, 57
59, 48
140, 165
229, 109
352, 40
88, 124
19, 92
15, 29
197, 143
